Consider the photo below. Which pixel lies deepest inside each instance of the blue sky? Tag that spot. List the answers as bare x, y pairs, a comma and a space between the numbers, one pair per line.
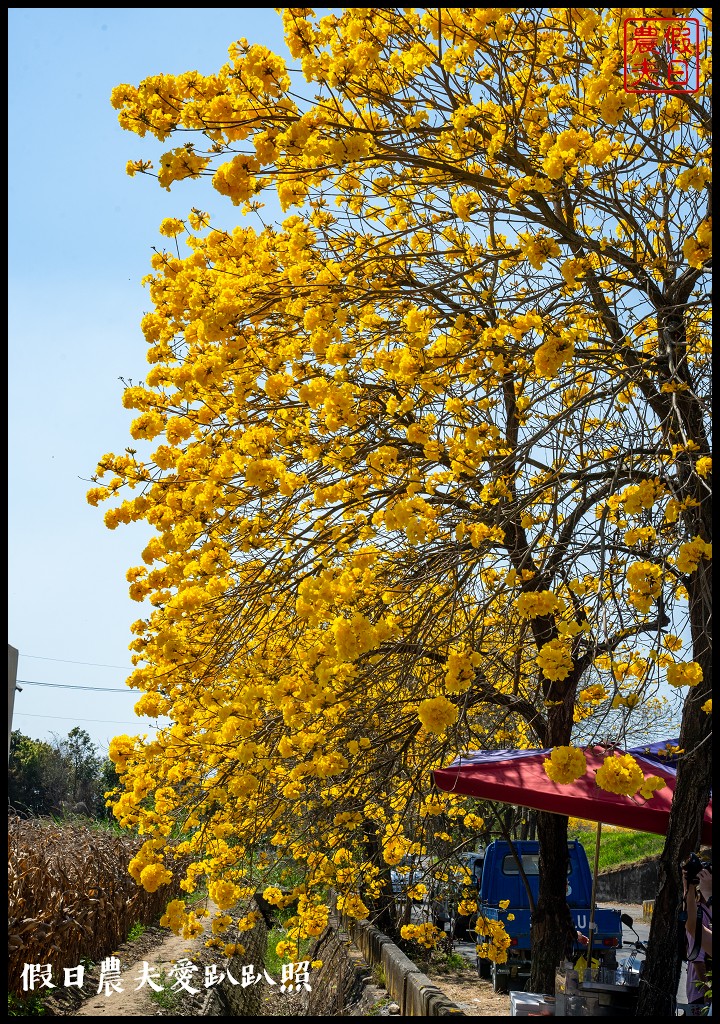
80, 238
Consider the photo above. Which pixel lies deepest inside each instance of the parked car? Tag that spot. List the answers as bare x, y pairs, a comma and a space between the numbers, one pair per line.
410, 871
462, 881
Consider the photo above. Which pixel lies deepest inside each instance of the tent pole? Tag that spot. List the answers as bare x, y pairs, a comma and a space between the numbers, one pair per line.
591, 929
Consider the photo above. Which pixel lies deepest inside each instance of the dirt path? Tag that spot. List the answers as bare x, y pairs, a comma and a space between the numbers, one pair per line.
472, 994
146, 985
136, 1001
161, 961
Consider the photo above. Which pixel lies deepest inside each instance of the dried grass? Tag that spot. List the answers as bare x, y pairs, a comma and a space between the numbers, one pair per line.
70, 895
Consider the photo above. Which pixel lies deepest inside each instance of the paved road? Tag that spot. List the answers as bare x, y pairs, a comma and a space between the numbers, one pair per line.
643, 930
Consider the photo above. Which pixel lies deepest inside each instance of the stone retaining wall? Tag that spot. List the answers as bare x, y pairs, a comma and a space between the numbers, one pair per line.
229, 1000
634, 884
337, 986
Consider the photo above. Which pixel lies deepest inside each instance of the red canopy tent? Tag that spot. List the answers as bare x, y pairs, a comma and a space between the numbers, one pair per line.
518, 777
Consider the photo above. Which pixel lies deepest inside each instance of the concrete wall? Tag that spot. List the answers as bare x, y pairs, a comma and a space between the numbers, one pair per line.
412, 990
344, 987
634, 884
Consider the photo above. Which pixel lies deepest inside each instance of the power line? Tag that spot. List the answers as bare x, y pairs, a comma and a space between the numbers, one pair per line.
61, 718
73, 686
66, 661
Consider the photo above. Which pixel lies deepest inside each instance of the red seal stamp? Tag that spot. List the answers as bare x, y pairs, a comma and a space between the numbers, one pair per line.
661, 55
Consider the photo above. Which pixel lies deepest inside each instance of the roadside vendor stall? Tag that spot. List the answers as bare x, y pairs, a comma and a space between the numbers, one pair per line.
518, 777
596, 992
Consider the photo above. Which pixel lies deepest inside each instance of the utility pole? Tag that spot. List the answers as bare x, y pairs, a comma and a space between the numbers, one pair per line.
12, 686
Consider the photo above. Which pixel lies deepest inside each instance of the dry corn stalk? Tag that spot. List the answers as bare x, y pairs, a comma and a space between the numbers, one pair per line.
70, 895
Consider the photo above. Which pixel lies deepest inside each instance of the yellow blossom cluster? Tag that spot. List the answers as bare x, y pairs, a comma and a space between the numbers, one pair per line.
640, 496
620, 773
473, 821
593, 694
174, 915
418, 455
353, 906
555, 660
691, 553
496, 941
684, 673
417, 892
153, 876
175, 165
645, 583
460, 670
695, 177
565, 764
467, 907
225, 894
550, 356
535, 603
425, 934
537, 249
170, 227
698, 250
437, 714
640, 535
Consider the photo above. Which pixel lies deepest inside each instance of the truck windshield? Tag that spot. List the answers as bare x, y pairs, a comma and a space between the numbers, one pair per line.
530, 862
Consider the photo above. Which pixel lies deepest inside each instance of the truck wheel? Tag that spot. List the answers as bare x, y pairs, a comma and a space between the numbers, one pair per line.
483, 967
499, 981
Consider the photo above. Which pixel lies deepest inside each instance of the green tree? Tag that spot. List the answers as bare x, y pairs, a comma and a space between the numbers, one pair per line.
36, 779
109, 782
55, 777
79, 754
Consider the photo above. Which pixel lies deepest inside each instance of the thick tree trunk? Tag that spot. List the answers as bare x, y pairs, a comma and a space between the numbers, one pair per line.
666, 945
552, 927
383, 909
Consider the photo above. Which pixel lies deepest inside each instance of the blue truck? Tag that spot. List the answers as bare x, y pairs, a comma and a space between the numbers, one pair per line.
501, 880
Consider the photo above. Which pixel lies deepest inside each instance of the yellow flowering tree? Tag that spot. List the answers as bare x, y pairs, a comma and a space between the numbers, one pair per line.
428, 460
